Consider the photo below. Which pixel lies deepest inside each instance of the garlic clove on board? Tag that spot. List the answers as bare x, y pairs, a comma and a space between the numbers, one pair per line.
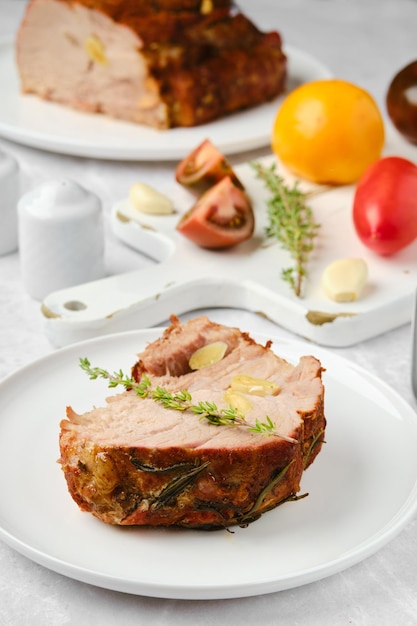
344, 279
146, 199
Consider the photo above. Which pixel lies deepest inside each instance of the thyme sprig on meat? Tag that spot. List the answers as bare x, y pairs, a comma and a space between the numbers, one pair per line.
291, 222
182, 401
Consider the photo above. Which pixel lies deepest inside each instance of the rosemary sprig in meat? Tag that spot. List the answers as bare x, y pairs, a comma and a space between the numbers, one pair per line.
182, 401
291, 222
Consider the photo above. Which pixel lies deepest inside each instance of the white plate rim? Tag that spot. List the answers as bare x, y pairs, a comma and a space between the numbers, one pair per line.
174, 589
75, 133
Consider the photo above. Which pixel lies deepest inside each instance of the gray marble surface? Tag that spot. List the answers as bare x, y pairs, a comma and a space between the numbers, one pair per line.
365, 41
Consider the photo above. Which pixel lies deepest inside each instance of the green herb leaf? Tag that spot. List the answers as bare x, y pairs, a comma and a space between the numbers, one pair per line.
291, 222
117, 378
263, 428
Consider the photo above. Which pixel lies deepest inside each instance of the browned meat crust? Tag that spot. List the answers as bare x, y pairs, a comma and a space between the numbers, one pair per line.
136, 463
195, 66
119, 9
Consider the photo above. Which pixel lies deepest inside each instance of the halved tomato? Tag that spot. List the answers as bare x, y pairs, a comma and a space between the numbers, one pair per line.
204, 167
385, 205
221, 218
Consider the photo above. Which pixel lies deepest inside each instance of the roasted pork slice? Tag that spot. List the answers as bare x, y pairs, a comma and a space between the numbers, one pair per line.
137, 462
163, 64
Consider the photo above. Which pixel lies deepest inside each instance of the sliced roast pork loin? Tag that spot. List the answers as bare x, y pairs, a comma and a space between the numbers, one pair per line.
163, 64
137, 462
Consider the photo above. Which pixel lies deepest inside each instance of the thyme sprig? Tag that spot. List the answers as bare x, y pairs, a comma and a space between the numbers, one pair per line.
291, 222
182, 401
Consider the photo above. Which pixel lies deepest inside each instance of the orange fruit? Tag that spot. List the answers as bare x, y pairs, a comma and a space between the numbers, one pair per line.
328, 131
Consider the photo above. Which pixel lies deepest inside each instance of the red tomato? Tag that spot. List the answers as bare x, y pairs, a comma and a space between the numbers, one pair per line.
385, 205
222, 217
204, 167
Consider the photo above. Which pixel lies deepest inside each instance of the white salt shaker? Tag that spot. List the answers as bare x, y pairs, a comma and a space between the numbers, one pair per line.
61, 237
9, 195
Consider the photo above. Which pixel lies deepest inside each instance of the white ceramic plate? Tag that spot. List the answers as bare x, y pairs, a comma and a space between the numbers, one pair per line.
33, 122
362, 488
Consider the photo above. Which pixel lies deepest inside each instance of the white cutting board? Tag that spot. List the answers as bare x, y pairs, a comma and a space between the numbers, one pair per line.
186, 277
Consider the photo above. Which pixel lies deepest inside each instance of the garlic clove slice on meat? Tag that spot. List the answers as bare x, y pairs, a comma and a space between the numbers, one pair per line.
253, 386
146, 199
96, 50
344, 279
207, 355
238, 401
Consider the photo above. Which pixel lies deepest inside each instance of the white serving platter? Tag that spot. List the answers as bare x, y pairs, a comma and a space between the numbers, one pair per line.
185, 277
357, 501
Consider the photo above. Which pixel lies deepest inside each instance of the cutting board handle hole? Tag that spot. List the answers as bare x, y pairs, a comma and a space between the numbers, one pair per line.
75, 305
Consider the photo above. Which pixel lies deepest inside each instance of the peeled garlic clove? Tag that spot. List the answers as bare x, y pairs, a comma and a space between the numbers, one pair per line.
147, 200
238, 401
254, 386
344, 279
207, 355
